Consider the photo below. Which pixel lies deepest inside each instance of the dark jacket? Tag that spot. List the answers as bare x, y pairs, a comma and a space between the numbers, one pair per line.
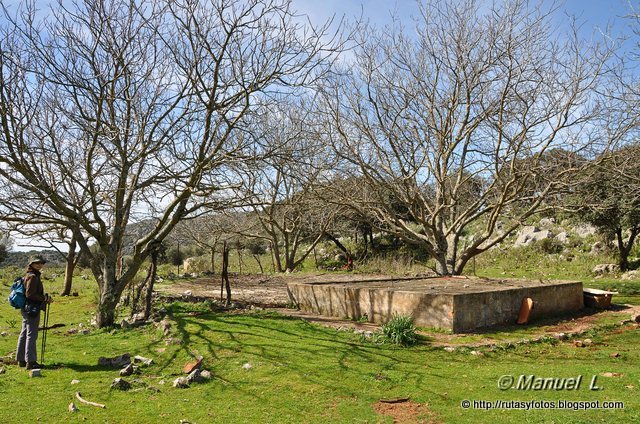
34, 290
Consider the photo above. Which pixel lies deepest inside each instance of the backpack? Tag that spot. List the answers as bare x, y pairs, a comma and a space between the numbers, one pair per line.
17, 297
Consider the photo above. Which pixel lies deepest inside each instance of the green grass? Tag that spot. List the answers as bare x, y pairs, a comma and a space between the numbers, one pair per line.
301, 372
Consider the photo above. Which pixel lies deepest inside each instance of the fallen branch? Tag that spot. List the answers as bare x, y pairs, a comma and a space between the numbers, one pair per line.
99, 405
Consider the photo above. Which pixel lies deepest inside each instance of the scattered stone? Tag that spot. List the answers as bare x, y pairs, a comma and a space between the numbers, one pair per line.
205, 374
161, 382
578, 343
85, 331
247, 366
4, 334
630, 275
165, 325
530, 234
615, 355
75, 381
73, 407
450, 349
563, 237
603, 269
181, 382
630, 386
35, 373
476, 353
120, 384
584, 230
128, 370
560, 336
2, 370
588, 342
194, 377
120, 361
138, 317
193, 365
141, 359
188, 292
612, 374
547, 222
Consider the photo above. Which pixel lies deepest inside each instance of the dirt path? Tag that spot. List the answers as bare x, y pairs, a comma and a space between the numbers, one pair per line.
260, 290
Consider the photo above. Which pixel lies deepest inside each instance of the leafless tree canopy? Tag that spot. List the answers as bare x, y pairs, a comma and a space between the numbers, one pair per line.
115, 111
447, 127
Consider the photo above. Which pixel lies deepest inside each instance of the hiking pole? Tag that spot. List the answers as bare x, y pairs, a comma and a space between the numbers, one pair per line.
44, 334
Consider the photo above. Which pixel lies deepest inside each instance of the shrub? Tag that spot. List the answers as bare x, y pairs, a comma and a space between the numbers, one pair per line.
400, 330
550, 246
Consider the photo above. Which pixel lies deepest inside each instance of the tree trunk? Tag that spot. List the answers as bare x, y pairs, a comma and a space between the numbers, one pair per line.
275, 250
339, 245
442, 267
225, 274
135, 301
288, 260
624, 249
109, 295
151, 279
69, 267
257, 257
213, 260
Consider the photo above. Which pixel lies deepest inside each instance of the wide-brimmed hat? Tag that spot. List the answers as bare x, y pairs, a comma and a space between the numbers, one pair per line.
37, 259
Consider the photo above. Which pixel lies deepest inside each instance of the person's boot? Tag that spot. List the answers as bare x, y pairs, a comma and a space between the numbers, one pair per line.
22, 364
33, 365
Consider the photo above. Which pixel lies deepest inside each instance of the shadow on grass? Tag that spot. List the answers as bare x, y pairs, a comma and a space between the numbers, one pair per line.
81, 367
317, 355
539, 323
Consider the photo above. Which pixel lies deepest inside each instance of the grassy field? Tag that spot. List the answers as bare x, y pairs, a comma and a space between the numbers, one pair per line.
302, 373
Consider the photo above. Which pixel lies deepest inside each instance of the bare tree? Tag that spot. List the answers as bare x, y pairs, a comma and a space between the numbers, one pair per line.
281, 187
112, 112
448, 128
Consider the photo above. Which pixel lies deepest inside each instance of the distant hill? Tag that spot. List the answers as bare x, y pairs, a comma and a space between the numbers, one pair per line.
20, 259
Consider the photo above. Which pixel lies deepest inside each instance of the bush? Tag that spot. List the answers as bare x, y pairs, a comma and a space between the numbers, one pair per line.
400, 330
550, 245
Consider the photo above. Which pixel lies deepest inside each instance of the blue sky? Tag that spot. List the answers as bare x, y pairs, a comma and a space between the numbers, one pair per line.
595, 15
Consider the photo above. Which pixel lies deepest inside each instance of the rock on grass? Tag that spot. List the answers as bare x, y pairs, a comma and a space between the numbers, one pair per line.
181, 383
120, 384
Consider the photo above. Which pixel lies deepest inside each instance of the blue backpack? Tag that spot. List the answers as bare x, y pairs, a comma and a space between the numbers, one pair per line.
17, 298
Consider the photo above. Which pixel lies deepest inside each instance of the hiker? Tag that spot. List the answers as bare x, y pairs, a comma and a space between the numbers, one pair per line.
37, 300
